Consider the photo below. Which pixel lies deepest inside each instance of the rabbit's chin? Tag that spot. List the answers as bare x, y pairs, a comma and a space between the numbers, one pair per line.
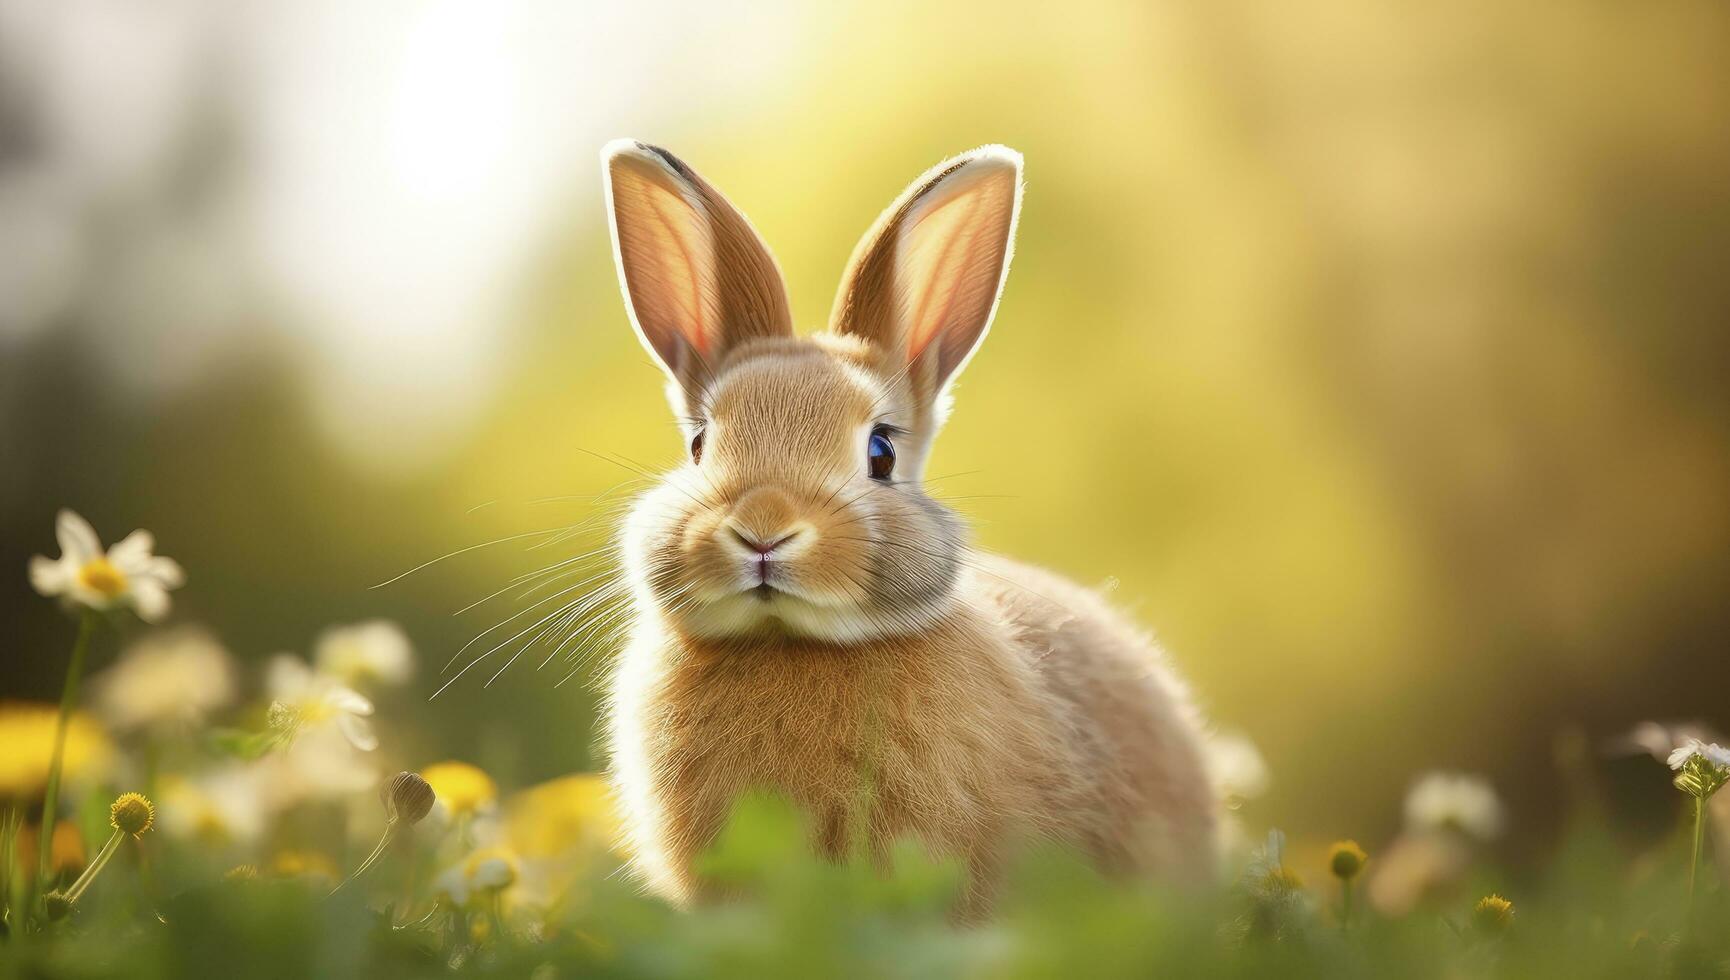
781, 614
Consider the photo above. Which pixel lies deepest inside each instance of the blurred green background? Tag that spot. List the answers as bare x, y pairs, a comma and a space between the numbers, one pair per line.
1376, 355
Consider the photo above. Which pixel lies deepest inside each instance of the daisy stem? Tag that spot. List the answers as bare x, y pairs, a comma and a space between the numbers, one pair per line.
96, 866
68, 697
389, 829
1694, 865
9, 855
1346, 905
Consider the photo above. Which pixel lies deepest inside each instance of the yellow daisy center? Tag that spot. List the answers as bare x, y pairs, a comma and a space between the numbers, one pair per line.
100, 576
314, 710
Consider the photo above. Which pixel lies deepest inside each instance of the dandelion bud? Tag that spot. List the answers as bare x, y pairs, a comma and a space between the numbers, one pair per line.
132, 814
406, 797
1346, 860
1493, 915
57, 905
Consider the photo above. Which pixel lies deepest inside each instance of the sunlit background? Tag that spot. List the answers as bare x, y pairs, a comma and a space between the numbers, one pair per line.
1374, 356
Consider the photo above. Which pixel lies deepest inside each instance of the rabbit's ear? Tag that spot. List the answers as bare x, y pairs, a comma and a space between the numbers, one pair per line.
923, 283
696, 277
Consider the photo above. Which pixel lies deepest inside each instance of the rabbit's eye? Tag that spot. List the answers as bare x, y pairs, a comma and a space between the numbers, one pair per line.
697, 447
880, 455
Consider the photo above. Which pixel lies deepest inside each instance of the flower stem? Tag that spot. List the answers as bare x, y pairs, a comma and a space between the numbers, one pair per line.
1694, 865
383, 842
96, 866
1346, 905
68, 697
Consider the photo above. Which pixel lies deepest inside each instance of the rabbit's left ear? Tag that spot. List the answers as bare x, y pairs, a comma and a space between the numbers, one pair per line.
924, 282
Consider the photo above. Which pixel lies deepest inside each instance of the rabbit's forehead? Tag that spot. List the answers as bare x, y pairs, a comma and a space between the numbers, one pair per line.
786, 394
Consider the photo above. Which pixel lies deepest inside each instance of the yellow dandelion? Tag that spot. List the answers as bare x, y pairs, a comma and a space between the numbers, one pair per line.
555, 818
27, 731
463, 789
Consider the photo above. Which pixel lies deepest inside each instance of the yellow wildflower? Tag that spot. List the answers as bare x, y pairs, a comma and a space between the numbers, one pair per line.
562, 815
27, 732
463, 789
132, 814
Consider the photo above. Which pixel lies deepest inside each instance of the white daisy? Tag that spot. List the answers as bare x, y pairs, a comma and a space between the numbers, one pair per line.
1454, 801
171, 677
377, 650
1712, 752
301, 698
488, 870
224, 805
124, 575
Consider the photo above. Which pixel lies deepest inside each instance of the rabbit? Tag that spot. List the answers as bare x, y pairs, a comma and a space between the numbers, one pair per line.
805, 620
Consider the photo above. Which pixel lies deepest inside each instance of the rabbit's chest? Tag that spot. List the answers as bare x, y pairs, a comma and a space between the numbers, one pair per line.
923, 753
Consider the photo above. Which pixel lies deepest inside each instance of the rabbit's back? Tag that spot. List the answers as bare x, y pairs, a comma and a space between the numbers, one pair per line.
1129, 716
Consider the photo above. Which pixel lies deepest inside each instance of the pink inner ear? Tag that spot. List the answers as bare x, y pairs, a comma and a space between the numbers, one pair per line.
946, 277
691, 326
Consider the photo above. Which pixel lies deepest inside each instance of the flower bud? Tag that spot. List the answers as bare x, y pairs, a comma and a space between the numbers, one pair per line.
1346, 860
57, 905
406, 797
1493, 915
132, 814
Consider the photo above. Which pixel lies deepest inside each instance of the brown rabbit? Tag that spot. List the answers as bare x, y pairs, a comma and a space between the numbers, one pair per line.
808, 621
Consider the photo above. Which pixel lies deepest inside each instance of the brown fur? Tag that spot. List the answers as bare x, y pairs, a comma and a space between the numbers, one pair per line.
888, 679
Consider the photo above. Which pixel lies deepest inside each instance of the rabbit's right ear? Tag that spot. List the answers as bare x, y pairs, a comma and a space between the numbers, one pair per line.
696, 277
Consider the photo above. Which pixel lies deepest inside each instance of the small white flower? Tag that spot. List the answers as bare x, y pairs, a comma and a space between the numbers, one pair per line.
1454, 801
124, 575
319, 764
492, 869
377, 650
302, 698
224, 805
1712, 752
172, 677
1238, 770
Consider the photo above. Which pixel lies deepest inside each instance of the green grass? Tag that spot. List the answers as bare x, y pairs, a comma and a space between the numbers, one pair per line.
1592, 912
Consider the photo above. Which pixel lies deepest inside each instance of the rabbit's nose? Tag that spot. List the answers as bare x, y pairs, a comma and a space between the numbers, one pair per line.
763, 547
768, 524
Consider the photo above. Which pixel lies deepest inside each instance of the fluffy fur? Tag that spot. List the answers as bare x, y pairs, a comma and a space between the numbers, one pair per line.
801, 627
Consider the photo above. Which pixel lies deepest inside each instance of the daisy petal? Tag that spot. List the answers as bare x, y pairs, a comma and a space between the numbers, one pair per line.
1683, 753
287, 677
349, 701
49, 577
149, 600
358, 731
166, 571
78, 540
132, 554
